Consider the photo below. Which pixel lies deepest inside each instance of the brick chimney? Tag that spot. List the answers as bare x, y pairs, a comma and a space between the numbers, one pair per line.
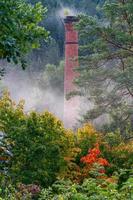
71, 62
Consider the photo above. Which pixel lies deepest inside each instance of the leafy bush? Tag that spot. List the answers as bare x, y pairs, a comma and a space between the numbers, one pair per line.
119, 152
91, 189
86, 137
9, 191
38, 143
112, 148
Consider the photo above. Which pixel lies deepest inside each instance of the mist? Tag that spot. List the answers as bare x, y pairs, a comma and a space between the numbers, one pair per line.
24, 85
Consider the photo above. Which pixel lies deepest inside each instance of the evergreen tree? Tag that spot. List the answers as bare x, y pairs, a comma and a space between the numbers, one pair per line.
106, 72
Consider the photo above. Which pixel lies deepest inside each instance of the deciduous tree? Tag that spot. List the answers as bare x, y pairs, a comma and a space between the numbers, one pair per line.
38, 143
20, 29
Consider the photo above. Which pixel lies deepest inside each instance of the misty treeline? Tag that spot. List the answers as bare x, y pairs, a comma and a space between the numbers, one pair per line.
106, 71
23, 31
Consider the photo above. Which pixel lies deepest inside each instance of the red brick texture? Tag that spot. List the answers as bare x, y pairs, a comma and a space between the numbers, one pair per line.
71, 62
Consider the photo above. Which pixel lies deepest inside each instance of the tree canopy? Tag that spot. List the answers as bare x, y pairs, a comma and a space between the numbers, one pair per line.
37, 143
107, 61
20, 29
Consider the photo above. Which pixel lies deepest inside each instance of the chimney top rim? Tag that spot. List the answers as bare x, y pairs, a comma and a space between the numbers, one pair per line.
70, 18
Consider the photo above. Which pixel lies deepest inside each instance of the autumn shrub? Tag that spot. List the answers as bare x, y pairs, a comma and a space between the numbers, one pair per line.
110, 152
119, 152
93, 156
86, 137
93, 161
90, 189
72, 169
83, 139
86, 140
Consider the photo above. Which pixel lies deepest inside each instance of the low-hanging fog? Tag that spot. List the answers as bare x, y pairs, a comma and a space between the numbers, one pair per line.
23, 84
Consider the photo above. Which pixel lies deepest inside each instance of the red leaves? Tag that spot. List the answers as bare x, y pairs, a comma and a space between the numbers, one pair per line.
93, 157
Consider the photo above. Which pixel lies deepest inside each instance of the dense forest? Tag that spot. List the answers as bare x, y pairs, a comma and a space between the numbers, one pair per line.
40, 158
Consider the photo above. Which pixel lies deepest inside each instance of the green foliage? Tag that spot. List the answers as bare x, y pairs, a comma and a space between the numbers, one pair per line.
106, 63
38, 143
113, 139
119, 152
53, 77
91, 189
11, 193
20, 29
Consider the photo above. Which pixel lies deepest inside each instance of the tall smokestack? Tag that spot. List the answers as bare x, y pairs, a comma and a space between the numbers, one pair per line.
71, 61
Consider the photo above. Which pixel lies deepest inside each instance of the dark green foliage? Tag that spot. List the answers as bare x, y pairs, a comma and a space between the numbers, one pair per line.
20, 30
106, 63
53, 77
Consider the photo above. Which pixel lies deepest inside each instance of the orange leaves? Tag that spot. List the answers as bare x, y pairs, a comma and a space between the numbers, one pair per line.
95, 151
103, 162
93, 157
93, 162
